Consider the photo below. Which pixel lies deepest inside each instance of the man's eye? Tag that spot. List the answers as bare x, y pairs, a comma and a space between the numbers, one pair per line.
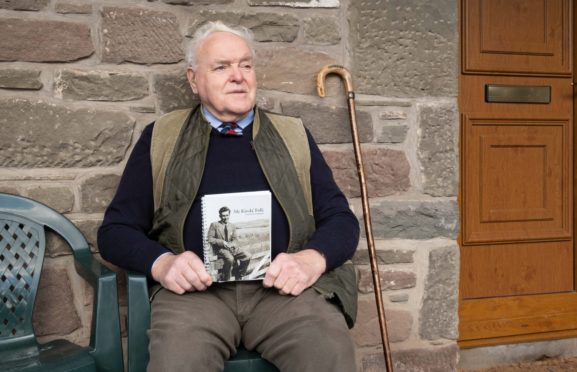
220, 68
246, 66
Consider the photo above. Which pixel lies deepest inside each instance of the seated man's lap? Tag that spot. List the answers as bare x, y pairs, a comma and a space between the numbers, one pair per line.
193, 329
300, 333
293, 332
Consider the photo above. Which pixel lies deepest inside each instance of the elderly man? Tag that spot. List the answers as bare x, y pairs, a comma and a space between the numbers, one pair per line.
297, 316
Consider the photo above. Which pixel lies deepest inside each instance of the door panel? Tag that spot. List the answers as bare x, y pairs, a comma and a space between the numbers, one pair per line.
516, 36
517, 173
515, 319
516, 198
501, 270
517, 180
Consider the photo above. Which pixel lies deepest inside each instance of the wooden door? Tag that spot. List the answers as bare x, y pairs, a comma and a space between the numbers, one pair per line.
516, 103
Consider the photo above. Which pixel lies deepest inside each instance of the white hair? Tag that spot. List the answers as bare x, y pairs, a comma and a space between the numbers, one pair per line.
204, 31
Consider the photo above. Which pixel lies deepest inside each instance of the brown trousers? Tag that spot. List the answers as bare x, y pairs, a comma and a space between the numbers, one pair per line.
198, 331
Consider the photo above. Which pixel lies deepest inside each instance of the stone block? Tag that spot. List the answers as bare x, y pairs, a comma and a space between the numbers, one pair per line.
23, 4
121, 284
291, 70
88, 295
329, 124
438, 148
65, 7
405, 48
400, 297
60, 198
390, 280
393, 115
140, 36
385, 257
89, 229
380, 101
439, 313
265, 103
438, 359
322, 31
101, 85
391, 133
297, 3
415, 220
33, 40
266, 27
97, 192
367, 330
10, 190
55, 313
144, 108
173, 91
386, 171
56, 246
196, 2
14, 78
40, 134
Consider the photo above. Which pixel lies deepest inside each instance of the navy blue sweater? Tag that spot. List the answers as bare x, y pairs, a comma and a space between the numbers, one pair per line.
231, 166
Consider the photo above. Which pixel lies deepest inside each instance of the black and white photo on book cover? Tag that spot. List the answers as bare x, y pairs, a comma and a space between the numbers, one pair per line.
236, 235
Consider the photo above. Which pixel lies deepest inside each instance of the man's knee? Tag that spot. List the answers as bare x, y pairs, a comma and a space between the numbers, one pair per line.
195, 329
318, 347
307, 333
177, 355
226, 256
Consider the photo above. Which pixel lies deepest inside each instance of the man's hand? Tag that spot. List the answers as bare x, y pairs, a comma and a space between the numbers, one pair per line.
181, 273
292, 273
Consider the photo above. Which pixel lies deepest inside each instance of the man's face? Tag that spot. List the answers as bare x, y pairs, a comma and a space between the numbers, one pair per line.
224, 216
224, 78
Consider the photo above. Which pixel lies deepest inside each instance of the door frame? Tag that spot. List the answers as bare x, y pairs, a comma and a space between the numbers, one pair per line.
556, 312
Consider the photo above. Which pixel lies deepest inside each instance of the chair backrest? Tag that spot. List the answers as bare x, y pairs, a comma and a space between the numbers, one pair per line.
22, 245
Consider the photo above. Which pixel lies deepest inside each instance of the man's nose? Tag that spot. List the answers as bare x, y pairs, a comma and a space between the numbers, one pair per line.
236, 74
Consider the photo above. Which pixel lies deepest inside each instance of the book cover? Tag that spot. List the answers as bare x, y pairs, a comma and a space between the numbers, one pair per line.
236, 235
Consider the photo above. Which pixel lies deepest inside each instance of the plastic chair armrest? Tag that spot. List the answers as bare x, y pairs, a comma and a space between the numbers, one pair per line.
138, 321
105, 339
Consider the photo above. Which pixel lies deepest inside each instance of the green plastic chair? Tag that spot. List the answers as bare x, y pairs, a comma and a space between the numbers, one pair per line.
139, 323
22, 244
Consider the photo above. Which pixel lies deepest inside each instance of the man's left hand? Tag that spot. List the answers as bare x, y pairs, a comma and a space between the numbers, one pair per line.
292, 273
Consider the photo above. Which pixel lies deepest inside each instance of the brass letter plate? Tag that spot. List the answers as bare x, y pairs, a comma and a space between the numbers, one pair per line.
517, 94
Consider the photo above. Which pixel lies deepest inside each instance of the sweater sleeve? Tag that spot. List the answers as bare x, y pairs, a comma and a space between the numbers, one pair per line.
337, 229
122, 237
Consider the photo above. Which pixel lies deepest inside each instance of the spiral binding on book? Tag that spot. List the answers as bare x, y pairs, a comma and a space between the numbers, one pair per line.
206, 248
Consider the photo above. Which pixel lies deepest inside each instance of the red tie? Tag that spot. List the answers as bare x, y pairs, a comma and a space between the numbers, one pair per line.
230, 129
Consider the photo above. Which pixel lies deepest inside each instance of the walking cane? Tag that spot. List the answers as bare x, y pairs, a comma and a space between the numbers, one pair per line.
346, 76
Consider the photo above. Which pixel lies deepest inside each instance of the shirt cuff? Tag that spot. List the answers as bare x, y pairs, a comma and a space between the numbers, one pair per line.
154, 262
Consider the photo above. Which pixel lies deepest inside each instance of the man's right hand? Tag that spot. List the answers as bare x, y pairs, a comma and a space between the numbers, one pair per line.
181, 273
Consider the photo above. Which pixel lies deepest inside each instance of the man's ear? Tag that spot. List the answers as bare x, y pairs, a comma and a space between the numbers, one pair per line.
190, 75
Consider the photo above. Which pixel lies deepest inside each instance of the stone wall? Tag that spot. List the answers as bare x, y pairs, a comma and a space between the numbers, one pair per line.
80, 79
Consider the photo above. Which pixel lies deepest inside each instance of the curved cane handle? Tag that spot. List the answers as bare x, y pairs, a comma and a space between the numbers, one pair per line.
333, 69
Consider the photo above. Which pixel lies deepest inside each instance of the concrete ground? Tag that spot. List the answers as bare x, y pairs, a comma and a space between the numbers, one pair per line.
548, 365
544, 356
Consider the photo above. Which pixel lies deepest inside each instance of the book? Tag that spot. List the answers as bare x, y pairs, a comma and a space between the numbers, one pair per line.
236, 229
